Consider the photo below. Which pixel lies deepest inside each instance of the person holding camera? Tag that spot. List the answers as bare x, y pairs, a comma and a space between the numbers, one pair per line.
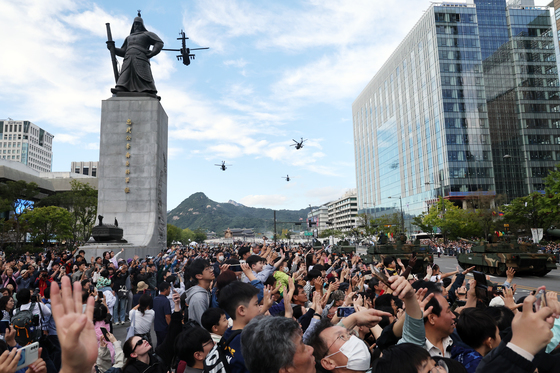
42, 281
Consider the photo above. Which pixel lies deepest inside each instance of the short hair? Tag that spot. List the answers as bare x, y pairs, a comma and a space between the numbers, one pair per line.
502, 315
474, 326
23, 296
319, 346
225, 278
235, 294
163, 286
195, 268
254, 259
373, 282
211, 317
432, 288
383, 301
402, 358
272, 337
388, 260
191, 340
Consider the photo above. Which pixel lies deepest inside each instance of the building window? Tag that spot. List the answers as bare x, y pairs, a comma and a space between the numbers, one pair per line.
86, 170
93, 171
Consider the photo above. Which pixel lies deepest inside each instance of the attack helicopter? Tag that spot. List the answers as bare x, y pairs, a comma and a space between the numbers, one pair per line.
287, 177
223, 166
299, 144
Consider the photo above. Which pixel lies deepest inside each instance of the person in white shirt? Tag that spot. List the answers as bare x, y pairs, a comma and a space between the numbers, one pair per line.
24, 303
143, 317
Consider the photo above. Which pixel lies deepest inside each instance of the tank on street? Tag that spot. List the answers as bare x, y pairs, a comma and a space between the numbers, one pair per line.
494, 258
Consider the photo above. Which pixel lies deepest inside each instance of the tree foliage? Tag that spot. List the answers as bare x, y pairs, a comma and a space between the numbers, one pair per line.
48, 223
81, 202
173, 234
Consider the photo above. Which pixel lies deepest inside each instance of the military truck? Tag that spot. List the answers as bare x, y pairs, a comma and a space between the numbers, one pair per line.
399, 250
495, 257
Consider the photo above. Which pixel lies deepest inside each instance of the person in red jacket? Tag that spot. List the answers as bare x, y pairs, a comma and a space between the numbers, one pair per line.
43, 281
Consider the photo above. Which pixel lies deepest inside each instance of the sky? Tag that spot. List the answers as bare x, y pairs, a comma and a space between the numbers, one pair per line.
275, 71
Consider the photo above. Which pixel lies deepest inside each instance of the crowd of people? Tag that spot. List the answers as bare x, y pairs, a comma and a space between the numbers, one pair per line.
263, 308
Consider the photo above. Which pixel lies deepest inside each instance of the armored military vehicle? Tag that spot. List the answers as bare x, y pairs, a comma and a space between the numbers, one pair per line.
495, 257
399, 250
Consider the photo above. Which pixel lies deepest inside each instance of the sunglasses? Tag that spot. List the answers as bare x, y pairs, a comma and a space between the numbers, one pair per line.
138, 344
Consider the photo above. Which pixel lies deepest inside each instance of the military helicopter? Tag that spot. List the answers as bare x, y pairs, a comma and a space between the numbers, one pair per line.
287, 177
186, 56
298, 145
223, 166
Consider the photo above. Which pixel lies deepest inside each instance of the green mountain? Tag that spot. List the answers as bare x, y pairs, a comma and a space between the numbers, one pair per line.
198, 211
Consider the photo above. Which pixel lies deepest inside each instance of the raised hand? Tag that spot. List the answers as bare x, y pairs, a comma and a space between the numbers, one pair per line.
531, 331
510, 273
509, 302
423, 301
75, 329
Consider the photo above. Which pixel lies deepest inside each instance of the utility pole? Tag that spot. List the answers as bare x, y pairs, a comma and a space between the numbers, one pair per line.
275, 227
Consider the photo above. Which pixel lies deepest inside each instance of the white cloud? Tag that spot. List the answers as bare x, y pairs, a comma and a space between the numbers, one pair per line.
263, 200
92, 146
236, 63
65, 138
324, 194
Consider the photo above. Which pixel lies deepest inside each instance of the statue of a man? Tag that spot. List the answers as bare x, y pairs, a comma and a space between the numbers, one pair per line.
136, 74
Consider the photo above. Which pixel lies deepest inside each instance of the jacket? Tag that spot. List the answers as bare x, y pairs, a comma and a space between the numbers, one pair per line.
198, 300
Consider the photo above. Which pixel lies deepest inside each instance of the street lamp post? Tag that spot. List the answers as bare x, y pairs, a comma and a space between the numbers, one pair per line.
402, 213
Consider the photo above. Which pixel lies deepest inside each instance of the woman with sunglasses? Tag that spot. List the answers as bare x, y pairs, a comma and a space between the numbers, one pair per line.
140, 358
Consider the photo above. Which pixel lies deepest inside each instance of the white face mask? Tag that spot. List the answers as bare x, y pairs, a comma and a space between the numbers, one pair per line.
357, 353
221, 258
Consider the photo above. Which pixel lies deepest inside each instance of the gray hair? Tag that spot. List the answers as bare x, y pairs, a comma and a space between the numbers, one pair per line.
267, 343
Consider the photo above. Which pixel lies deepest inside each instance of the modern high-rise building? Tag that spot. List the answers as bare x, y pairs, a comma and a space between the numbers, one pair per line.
468, 104
24, 142
85, 168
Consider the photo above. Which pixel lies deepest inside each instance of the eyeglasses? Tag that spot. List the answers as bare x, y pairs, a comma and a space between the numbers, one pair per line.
440, 367
209, 342
138, 344
208, 269
344, 337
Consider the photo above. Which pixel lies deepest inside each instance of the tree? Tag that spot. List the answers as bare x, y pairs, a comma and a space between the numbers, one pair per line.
81, 201
453, 221
199, 235
49, 223
550, 205
173, 234
187, 236
16, 197
389, 223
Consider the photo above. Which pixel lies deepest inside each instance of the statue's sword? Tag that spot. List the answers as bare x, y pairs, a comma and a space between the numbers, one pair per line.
111, 45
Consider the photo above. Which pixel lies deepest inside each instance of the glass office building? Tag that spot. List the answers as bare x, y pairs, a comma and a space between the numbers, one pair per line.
467, 104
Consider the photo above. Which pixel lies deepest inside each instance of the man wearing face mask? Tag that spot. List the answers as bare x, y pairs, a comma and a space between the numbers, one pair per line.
337, 349
219, 262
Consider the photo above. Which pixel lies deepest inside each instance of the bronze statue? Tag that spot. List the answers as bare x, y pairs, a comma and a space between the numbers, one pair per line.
136, 74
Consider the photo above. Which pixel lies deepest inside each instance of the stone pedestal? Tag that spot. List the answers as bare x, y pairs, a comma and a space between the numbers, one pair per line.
132, 173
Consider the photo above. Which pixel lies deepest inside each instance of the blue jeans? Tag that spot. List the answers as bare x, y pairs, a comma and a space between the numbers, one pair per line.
119, 310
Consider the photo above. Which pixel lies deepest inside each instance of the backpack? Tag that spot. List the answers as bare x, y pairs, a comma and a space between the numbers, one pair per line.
216, 361
27, 325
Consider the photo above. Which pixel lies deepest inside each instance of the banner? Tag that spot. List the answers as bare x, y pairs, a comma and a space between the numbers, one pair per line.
537, 234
